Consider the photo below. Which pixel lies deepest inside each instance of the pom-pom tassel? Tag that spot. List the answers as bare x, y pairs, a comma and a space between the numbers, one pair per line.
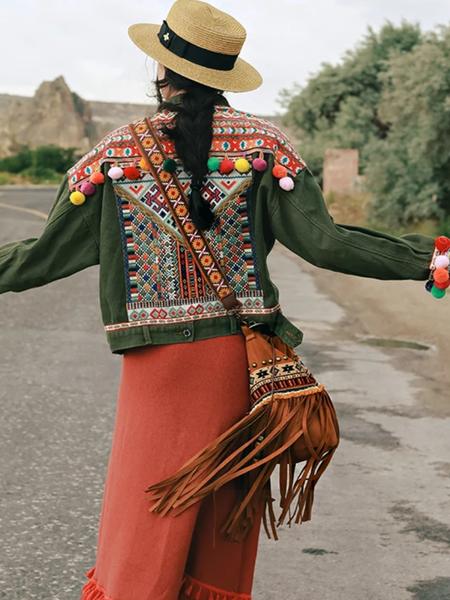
226, 166
287, 184
115, 173
131, 173
170, 165
242, 165
97, 177
77, 198
87, 188
143, 164
214, 163
279, 171
260, 164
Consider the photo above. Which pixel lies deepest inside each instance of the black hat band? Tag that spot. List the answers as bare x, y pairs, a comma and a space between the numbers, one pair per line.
194, 54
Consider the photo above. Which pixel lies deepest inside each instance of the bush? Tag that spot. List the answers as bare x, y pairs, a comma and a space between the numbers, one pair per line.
409, 172
338, 108
42, 163
42, 175
390, 99
17, 163
54, 158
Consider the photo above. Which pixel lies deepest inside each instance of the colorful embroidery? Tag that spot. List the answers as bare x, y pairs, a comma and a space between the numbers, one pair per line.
272, 379
173, 193
235, 133
163, 284
191, 312
161, 273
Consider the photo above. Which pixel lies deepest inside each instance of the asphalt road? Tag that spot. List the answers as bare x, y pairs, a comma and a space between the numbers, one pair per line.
381, 523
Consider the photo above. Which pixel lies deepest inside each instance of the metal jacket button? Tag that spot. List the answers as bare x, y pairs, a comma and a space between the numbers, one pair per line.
187, 333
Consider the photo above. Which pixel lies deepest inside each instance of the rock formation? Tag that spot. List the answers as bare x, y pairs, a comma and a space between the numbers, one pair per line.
55, 115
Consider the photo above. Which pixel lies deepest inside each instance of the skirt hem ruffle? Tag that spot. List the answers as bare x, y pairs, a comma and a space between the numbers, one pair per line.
191, 588
92, 590
197, 590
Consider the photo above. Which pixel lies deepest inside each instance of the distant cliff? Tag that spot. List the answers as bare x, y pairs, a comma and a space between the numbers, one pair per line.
56, 115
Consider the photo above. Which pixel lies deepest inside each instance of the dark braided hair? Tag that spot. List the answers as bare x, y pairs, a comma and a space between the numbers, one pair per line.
192, 135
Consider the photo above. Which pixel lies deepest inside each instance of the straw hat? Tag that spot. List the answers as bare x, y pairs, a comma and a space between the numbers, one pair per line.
200, 42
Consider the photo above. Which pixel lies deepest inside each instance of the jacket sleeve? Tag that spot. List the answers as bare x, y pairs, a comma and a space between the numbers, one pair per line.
67, 244
300, 220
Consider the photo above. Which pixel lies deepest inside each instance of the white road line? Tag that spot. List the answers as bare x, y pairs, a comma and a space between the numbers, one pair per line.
28, 210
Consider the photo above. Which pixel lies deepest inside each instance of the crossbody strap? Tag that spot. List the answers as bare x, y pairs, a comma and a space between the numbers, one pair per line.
209, 266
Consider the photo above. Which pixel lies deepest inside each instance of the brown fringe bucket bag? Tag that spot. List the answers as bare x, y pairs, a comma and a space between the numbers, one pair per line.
292, 419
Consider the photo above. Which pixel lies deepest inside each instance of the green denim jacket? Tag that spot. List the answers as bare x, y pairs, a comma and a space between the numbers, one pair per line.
150, 292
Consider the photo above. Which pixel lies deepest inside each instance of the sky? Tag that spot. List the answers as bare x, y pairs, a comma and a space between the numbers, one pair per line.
86, 41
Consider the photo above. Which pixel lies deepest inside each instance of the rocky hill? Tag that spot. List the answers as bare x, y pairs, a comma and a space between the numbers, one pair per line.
56, 115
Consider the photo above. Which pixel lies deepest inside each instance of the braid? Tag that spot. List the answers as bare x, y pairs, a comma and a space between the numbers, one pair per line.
192, 136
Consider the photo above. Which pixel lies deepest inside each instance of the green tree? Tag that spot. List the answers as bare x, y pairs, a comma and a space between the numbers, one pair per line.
409, 171
339, 106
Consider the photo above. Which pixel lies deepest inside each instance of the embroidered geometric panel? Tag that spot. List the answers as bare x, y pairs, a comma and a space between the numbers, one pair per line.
163, 283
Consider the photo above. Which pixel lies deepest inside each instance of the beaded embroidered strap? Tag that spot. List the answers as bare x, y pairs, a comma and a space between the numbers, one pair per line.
152, 151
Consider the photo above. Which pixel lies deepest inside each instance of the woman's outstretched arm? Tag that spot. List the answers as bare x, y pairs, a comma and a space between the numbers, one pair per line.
67, 245
300, 221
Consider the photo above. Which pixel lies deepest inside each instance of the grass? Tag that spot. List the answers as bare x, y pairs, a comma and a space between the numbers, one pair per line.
351, 208
22, 179
348, 208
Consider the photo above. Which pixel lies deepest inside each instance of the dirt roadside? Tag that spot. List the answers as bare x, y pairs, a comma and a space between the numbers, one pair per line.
381, 312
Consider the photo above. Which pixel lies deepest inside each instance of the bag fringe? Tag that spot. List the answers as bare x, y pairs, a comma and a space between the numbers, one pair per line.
197, 590
250, 450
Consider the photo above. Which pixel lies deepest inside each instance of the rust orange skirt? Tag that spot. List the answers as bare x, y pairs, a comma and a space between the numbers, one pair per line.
173, 400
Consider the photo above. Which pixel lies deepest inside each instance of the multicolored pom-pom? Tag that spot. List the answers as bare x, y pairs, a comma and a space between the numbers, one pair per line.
279, 171
437, 293
131, 173
169, 165
287, 184
442, 262
214, 163
77, 198
87, 188
442, 243
441, 275
442, 285
260, 164
115, 173
439, 280
97, 177
226, 166
242, 165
